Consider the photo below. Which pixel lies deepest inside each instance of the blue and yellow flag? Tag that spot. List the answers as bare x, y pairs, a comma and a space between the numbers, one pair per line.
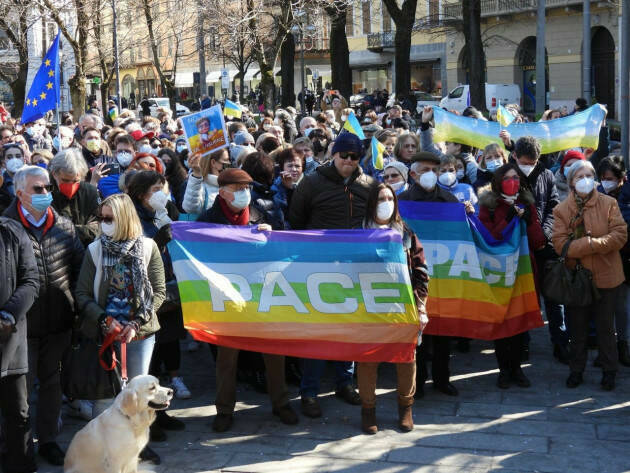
231, 109
504, 117
44, 92
377, 153
353, 126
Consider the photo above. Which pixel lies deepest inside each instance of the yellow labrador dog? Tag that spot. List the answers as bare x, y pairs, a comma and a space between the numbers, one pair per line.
112, 442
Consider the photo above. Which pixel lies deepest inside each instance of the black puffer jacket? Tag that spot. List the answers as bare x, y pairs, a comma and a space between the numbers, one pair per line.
81, 210
59, 255
323, 200
263, 209
18, 272
541, 184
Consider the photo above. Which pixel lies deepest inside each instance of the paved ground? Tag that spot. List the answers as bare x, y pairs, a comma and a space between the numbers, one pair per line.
546, 428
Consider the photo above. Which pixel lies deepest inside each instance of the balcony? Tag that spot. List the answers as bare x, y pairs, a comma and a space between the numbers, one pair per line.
380, 41
506, 7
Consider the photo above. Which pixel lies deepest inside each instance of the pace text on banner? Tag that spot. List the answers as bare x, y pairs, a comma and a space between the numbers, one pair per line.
325, 294
577, 130
480, 287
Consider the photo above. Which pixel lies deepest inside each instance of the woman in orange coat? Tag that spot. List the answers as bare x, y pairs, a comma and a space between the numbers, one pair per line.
593, 225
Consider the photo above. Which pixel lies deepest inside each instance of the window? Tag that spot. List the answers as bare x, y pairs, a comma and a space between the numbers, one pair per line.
434, 10
350, 21
387, 19
457, 93
367, 18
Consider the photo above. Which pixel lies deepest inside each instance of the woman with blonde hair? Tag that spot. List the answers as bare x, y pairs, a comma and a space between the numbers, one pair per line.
121, 287
407, 145
493, 158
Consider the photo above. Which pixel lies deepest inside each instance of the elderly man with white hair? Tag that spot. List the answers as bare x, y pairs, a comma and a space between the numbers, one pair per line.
307, 124
58, 254
73, 197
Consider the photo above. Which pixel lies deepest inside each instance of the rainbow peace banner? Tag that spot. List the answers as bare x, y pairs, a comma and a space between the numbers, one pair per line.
480, 287
324, 294
573, 131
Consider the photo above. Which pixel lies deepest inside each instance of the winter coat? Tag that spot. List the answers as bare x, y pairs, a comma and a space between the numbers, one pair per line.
282, 199
542, 185
323, 200
495, 213
18, 270
58, 253
92, 159
7, 192
561, 185
484, 177
599, 251
200, 193
82, 210
92, 289
262, 208
418, 194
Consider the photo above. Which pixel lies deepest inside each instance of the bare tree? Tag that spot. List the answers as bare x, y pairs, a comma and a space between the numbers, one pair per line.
14, 21
404, 17
339, 51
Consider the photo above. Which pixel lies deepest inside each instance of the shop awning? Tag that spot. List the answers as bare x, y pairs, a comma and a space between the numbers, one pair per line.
251, 73
184, 79
215, 76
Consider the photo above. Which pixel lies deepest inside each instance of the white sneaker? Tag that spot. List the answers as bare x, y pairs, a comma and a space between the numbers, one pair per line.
181, 391
193, 345
81, 409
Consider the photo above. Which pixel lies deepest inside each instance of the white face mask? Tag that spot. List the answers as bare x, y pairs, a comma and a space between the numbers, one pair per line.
384, 210
448, 178
493, 164
124, 158
609, 185
14, 164
158, 200
181, 148
460, 174
267, 126
344, 118
241, 199
145, 149
428, 180
585, 185
108, 229
526, 168
397, 185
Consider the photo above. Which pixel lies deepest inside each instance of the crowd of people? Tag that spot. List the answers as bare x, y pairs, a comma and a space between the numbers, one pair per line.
87, 212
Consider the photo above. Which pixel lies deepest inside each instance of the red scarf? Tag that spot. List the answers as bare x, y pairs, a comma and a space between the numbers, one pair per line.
50, 220
235, 218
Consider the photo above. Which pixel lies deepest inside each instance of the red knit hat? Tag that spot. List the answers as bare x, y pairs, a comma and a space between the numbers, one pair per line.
569, 155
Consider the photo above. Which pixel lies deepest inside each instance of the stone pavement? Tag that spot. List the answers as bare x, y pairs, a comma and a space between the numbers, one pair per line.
546, 428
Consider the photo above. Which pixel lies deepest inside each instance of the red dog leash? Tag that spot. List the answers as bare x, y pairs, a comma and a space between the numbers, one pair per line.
108, 344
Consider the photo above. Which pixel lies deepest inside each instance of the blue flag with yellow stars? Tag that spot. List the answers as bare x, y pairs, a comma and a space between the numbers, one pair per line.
44, 90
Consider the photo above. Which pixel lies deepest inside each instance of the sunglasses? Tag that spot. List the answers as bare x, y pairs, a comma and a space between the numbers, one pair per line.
105, 219
41, 189
352, 156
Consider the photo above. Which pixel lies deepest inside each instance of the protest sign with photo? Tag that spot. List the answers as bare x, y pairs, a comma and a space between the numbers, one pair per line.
205, 131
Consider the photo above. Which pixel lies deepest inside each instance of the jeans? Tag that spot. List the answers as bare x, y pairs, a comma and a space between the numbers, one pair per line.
139, 354
314, 369
622, 304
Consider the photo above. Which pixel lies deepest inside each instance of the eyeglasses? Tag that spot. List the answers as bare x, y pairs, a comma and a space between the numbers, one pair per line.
41, 189
105, 219
391, 176
352, 156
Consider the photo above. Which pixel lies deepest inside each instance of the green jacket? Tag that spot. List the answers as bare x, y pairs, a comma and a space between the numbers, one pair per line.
91, 308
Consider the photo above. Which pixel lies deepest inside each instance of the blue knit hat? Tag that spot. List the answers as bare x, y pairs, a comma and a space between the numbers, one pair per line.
348, 142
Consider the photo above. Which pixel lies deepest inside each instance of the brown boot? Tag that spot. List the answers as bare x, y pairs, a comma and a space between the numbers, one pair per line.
405, 418
368, 420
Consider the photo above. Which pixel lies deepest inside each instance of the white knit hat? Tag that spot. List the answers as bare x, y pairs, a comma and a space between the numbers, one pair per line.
400, 167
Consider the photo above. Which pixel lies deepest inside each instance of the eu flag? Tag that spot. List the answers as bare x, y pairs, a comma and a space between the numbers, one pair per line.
44, 90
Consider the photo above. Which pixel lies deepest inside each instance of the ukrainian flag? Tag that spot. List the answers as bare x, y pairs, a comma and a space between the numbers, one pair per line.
503, 116
377, 153
353, 126
231, 109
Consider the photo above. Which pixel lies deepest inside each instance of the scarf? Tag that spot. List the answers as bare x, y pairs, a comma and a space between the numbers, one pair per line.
240, 218
510, 199
577, 221
132, 251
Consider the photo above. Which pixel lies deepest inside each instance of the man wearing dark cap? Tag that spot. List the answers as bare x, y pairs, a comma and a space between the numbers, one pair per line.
424, 171
231, 207
334, 196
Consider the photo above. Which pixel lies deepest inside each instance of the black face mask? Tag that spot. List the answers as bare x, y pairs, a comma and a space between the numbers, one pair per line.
318, 147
